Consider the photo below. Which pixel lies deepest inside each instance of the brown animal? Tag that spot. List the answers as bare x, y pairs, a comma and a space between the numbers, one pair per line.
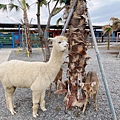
90, 87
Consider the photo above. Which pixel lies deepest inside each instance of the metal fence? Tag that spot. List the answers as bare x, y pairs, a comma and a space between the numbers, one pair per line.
16, 40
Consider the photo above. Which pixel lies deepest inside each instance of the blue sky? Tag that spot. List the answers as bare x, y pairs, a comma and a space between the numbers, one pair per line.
100, 12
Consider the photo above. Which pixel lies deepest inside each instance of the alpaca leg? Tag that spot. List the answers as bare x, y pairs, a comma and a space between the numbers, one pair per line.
42, 101
9, 99
95, 101
57, 83
35, 99
50, 90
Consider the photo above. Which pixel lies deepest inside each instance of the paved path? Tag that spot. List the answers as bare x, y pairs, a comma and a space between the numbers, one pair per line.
4, 54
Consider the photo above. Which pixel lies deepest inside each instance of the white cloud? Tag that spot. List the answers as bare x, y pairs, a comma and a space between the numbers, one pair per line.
94, 5
100, 12
15, 17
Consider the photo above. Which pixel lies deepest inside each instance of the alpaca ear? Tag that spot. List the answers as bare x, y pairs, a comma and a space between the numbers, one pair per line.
93, 84
52, 39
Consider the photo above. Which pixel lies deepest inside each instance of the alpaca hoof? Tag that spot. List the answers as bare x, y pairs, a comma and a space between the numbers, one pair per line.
83, 112
13, 112
44, 109
35, 115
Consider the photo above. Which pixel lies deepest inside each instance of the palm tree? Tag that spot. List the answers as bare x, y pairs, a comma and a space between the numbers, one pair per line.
22, 6
115, 24
107, 29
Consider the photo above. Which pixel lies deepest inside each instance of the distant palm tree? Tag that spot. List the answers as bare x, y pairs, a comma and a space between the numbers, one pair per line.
107, 29
23, 5
115, 24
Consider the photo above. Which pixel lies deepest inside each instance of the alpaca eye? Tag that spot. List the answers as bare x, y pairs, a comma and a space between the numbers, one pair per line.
59, 42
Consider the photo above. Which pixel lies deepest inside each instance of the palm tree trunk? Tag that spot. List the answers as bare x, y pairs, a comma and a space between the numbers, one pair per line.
108, 47
77, 36
27, 30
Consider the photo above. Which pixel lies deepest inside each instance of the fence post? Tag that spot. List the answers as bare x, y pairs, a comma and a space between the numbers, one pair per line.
13, 43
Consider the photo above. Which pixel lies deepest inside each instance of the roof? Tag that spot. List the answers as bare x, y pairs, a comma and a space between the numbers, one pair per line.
16, 25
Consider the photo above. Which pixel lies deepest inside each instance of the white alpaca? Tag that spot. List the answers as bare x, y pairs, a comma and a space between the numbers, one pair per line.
34, 75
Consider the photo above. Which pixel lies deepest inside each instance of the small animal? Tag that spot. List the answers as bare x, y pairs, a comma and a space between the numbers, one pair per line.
89, 88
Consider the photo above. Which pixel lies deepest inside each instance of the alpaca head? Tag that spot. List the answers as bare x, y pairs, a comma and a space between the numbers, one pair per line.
60, 43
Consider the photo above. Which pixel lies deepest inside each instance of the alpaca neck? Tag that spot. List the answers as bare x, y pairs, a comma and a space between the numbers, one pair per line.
55, 58
55, 63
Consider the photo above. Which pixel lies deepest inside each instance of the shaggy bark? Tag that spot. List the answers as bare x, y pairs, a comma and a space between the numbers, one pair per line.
27, 30
77, 36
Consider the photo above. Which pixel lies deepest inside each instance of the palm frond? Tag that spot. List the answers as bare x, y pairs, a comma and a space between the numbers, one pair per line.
58, 21
13, 6
62, 1
54, 0
116, 24
113, 19
56, 10
44, 2
3, 7
28, 6
107, 29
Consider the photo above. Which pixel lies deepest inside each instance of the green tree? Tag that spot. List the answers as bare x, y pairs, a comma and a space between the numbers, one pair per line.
52, 13
115, 24
55, 10
40, 3
107, 29
22, 5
